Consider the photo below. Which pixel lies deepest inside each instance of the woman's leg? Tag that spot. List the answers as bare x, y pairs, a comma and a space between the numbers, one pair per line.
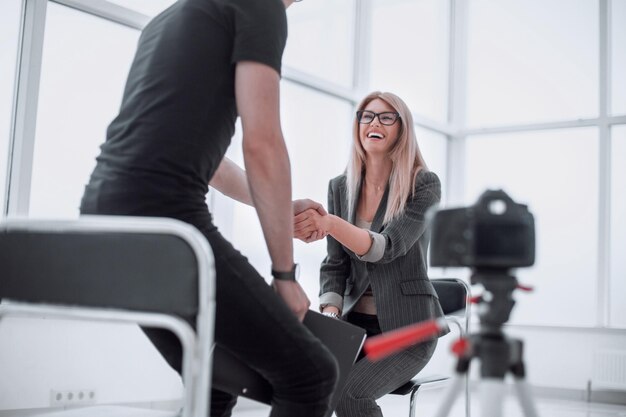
369, 381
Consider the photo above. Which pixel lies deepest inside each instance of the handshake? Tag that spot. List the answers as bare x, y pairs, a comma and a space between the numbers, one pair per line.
311, 222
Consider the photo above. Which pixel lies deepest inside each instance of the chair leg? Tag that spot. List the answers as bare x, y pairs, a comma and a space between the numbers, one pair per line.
412, 401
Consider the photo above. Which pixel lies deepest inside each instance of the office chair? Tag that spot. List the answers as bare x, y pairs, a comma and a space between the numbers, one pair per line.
453, 295
154, 272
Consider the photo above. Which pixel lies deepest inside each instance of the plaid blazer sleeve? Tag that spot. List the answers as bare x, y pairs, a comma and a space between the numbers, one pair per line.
401, 233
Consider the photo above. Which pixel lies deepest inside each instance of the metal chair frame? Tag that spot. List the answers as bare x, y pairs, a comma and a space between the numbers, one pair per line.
196, 344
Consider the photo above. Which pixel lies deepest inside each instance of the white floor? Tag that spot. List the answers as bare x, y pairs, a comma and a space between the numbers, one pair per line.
428, 404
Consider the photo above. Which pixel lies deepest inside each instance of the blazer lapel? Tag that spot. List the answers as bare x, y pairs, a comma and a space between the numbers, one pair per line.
377, 223
352, 218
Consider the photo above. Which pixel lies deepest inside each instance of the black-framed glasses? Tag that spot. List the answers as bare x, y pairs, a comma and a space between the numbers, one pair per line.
386, 118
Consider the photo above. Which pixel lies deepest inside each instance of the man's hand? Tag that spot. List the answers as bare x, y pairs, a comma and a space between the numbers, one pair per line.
299, 206
304, 204
293, 295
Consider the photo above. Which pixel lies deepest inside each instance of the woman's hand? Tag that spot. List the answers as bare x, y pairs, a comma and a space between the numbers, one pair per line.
300, 206
310, 225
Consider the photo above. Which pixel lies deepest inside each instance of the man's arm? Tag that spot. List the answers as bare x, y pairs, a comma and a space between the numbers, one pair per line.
268, 171
230, 180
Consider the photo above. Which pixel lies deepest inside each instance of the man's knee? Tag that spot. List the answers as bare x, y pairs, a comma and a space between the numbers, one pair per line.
329, 372
315, 379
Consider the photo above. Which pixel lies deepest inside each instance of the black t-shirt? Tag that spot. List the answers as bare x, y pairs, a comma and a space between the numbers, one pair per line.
178, 112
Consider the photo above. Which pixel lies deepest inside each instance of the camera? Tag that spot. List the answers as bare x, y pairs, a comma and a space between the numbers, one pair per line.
494, 233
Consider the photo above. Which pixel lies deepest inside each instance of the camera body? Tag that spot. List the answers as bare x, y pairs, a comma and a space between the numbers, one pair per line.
494, 233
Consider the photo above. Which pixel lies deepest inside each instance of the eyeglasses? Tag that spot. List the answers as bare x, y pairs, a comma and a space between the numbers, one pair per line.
386, 118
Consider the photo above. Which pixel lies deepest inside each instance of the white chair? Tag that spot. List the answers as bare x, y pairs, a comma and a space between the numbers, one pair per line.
453, 295
151, 271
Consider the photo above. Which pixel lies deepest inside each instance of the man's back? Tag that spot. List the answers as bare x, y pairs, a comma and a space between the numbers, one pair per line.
197, 65
178, 111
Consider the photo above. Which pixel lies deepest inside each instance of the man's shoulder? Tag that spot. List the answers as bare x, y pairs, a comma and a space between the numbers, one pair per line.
258, 8
237, 9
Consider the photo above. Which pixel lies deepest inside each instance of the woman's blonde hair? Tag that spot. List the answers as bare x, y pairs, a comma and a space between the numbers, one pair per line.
405, 156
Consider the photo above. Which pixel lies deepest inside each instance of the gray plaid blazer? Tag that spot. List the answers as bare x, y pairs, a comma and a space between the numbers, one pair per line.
402, 291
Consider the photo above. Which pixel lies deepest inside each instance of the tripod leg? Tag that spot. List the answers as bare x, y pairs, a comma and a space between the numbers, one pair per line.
467, 395
492, 394
521, 386
451, 393
525, 398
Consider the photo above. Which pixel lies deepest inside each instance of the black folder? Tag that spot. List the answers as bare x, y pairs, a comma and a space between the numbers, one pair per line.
343, 339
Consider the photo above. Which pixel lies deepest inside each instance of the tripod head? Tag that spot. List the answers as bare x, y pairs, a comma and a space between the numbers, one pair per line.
491, 237
497, 301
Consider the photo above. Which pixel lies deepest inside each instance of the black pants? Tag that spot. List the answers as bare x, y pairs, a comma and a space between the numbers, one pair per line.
255, 325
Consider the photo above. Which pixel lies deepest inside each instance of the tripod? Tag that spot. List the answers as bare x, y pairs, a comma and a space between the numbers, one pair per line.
498, 353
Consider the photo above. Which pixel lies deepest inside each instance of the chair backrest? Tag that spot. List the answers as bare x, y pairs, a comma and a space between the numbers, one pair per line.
45, 262
452, 294
150, 271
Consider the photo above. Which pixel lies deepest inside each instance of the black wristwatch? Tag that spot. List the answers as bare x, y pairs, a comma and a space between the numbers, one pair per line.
288, 275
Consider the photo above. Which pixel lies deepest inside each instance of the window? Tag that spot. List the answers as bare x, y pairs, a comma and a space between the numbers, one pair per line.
562, 193
321, 35
433, 146
409, 53
148, 7
618, 56
617, 284
532, 61
85, 63
9, 34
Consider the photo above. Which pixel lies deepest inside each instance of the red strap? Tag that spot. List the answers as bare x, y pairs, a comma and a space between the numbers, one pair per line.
460, 347
385, 344
475, 299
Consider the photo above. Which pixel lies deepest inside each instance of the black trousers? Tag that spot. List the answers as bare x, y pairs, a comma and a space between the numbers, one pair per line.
255, 325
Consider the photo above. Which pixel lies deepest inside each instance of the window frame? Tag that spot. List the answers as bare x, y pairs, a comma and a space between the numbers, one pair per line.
24, 113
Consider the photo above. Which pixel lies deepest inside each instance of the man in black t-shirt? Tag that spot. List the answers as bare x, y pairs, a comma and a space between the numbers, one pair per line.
199, 65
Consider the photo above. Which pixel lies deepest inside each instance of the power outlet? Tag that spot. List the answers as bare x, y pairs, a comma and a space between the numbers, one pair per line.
72, 397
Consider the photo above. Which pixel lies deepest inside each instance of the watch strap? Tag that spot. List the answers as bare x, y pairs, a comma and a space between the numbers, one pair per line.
286, 275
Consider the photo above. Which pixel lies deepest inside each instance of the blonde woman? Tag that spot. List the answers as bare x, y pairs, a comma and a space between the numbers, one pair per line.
374, 274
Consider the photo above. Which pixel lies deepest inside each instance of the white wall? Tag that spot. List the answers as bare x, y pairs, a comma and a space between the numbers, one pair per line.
117, 362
